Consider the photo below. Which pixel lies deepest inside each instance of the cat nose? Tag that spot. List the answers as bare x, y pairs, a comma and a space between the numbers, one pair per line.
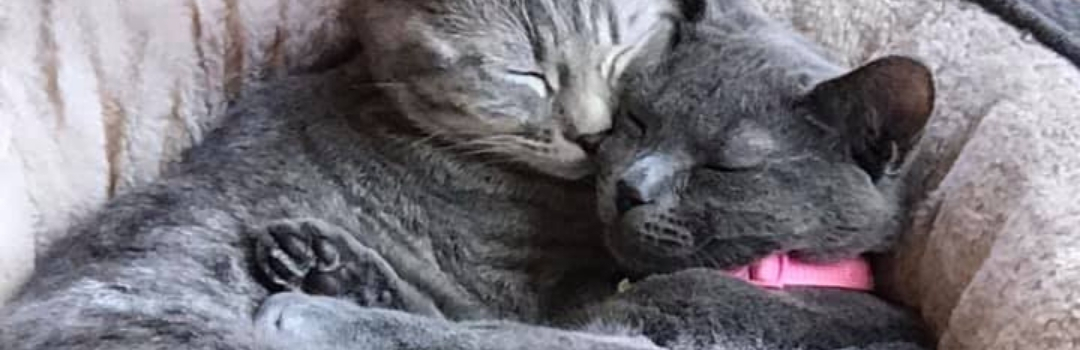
644, 182
628, 197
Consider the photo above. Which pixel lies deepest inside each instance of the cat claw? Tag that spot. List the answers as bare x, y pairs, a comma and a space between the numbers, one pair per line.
290, 251
311, 256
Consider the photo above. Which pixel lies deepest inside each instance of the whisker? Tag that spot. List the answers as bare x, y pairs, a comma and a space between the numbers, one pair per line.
425, 140
380, 83
697, 260
483, 152
708, 259
493, 150
491, 162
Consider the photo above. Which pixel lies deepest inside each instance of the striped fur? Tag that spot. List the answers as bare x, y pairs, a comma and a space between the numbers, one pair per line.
528, 81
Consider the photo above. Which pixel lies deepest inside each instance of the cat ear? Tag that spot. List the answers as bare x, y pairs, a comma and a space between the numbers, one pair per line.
716, 10
881, 108
647, 30
693, 10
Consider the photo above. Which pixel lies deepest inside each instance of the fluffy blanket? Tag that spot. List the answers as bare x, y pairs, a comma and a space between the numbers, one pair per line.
1055, 23
96, 98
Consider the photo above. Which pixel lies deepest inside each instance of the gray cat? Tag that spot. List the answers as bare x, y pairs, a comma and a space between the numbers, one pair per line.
443, 232
744, 141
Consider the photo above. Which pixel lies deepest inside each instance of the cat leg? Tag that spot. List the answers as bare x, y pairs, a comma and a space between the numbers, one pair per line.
889, 346
300, 321
315, 257
705, 308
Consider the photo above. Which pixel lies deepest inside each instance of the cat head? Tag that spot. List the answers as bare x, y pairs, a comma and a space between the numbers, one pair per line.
527, 81
746, 142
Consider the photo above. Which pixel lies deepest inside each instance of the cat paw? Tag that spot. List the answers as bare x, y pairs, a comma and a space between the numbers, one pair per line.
312, 256
288, 251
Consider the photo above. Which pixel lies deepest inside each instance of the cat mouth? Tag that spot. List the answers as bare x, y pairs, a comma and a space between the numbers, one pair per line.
643, 242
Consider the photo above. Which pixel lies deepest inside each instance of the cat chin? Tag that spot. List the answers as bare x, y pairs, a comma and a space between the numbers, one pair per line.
639, 263
629, 240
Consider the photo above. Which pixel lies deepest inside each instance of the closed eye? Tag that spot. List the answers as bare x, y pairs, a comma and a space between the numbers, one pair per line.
727, 168
636, 125
736, 164
534, 80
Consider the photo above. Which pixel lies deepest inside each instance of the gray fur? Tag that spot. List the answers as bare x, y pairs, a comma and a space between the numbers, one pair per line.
294, 321
169, 266
312, 322
704, 309
746, 139
529, 81
744, 142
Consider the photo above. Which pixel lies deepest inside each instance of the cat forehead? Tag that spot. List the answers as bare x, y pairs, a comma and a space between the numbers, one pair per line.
627, 20
638, 18
719, 79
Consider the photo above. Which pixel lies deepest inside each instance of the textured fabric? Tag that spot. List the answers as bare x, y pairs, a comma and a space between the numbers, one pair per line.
781, 270
1055, 23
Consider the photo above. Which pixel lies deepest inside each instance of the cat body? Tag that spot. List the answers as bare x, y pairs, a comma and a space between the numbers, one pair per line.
744, 141
457, 235
169, 266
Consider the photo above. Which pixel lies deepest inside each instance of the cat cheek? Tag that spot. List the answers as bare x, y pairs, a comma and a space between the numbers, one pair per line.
533, 83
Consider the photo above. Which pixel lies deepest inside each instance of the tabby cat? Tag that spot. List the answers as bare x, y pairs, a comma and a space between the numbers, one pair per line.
169, 265
525, 81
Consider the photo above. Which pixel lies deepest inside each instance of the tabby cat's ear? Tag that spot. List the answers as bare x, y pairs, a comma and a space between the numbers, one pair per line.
693, 10
881, 108
717, 10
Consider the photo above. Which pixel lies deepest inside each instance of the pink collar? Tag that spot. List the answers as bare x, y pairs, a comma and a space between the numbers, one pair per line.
780, 270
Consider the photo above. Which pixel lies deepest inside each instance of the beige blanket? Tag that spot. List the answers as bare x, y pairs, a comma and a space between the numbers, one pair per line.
95, 97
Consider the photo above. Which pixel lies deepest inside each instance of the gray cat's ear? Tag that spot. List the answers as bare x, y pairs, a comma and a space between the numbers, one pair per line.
881, 108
